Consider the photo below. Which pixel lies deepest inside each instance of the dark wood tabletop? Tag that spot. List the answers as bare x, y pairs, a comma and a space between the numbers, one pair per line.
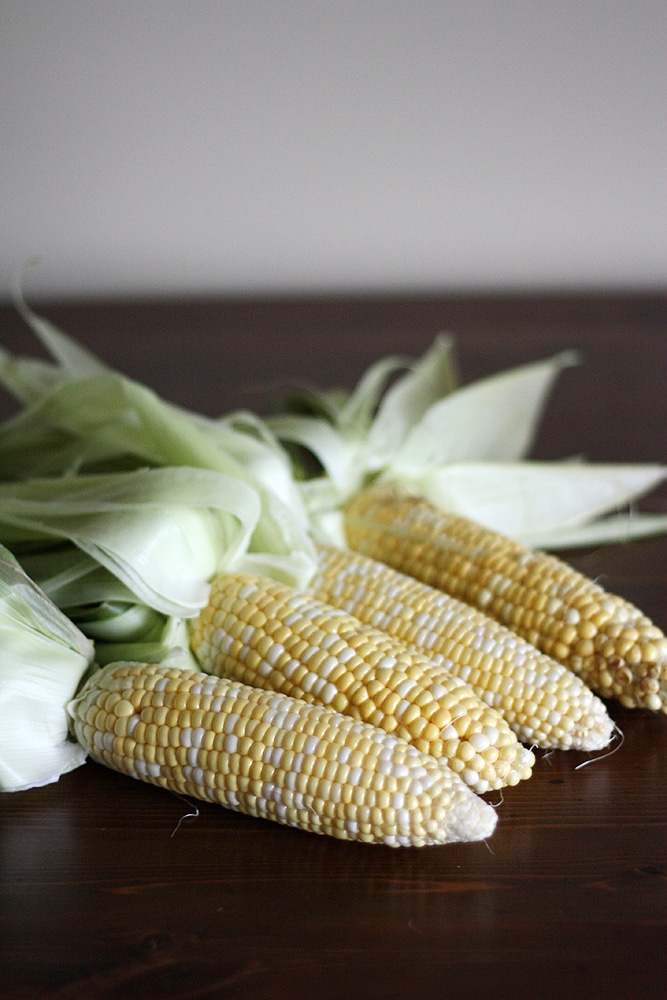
115, 889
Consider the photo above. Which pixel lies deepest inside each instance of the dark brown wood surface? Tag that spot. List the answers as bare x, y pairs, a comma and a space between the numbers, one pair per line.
114, 889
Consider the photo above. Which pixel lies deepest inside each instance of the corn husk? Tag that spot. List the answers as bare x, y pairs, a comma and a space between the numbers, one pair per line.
44, 659
465, 449
84, 418
122, 506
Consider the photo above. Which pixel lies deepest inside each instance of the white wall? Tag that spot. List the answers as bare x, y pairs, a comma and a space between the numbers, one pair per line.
180, 146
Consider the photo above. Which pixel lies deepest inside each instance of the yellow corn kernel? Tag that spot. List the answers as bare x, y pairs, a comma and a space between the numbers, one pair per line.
502, 669
505, 579
266, 779
380, 666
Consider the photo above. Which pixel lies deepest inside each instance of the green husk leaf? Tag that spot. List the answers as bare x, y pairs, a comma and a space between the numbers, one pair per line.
350, 412
72, 578
162, 532
464, 448
259, 456
354, 415
119, 622
619, 529
106, 421
28, 379
69, 354
122, 417
494, 419
433, 377
103, 607
366, 428
533, 500
31, 448
339, 457
44, 658
171, 641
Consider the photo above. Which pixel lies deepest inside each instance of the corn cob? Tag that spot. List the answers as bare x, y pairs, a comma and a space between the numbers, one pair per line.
545, 704
266, 634
604, 639
271, 756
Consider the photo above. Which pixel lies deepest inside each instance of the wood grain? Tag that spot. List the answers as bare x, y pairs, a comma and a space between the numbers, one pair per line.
113, 889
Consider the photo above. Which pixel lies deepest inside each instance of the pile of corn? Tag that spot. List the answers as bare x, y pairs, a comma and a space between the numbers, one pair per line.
377, 707
418, 669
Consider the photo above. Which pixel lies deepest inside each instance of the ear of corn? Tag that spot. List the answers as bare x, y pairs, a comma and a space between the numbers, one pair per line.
545, 704
604, 639
266, 634
271, 756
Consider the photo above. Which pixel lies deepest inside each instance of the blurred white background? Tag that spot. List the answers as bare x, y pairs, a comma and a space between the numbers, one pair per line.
167, 146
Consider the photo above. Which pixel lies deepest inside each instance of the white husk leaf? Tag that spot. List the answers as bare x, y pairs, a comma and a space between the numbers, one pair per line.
494, 419
532, 501
406, 403
44, 658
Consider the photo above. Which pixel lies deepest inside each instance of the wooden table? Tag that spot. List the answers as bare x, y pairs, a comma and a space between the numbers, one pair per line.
114, 889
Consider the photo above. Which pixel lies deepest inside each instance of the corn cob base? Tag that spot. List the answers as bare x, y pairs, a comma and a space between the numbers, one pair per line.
608, 642
273, 757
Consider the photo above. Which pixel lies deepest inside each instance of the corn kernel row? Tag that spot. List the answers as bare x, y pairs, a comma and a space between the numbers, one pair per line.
545, 704
266, 634
272, 756
604, 639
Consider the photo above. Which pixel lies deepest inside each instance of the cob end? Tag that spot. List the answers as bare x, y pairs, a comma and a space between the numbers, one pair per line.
474, 819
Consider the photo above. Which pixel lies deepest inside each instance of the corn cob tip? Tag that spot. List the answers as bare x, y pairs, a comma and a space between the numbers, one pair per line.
473, 820
594, 730
560, 713
617, 650
523, 767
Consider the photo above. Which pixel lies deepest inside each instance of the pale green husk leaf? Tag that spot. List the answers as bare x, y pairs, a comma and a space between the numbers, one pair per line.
537, 501
27, 378
91, 418
464, 448
365, 430
69, 354
103, 607
616, 528
408, 401
163, 532
44, 658
342, 459
353, 413
494, 419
